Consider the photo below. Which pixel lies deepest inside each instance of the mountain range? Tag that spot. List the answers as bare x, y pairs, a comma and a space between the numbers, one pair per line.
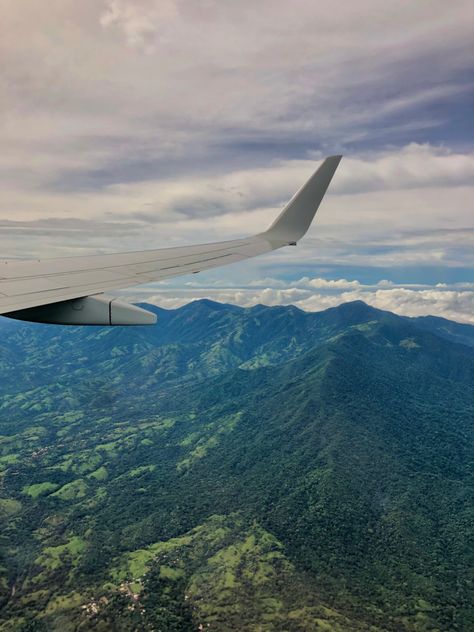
251, 469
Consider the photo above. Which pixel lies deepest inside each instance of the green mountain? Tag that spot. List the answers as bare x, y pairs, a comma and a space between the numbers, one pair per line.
238, 469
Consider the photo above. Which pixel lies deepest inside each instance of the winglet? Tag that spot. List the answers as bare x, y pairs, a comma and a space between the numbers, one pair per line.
296, 217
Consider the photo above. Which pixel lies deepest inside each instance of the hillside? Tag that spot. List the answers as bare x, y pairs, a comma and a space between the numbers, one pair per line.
253, 469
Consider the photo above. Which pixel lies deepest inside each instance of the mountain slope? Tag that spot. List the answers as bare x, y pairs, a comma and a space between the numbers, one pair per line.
335, 449
363, 467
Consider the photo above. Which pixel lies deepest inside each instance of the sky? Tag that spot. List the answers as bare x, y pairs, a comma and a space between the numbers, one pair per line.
136, 124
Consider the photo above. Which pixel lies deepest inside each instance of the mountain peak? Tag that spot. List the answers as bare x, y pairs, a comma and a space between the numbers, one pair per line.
208, 304
357, 311
199, 304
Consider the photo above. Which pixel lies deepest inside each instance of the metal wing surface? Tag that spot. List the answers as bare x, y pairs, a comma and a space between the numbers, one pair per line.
26, 287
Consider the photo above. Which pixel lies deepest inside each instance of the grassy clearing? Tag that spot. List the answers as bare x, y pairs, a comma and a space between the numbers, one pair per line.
135, 564
110, 448
100, 474
142, 469
39, 489
64, 602
409, 343
9, 459
9, 507
205, 441
54, 557
71, 491
171, 573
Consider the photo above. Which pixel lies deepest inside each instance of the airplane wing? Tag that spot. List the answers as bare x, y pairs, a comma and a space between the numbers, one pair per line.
71, 290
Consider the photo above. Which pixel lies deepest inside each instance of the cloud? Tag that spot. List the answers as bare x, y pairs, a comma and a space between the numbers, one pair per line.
413, 166
108, 91
141, 22
131, 124
332, 284
454, 304
373, 216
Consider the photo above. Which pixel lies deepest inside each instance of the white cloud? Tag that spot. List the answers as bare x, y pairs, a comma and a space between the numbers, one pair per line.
449, 302
333, 284
413, 166
454, 305
141, 21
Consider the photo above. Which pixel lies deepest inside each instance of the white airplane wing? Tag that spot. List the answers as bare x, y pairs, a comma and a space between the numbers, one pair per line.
71, 290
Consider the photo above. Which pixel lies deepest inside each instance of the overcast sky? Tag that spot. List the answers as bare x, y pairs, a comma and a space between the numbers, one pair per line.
130, 124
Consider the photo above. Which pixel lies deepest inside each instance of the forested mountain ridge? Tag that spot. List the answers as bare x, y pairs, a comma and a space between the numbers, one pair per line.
252, 469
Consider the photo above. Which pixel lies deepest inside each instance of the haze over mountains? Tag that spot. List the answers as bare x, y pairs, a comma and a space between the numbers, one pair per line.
251, 469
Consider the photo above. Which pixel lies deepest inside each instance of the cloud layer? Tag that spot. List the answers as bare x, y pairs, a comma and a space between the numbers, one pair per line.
128, 124
453, 302
395, 208
107, 91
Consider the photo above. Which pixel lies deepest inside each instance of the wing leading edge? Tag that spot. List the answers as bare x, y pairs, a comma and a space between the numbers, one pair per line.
55, 290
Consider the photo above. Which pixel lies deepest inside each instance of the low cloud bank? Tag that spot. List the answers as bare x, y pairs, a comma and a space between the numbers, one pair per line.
455, 302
